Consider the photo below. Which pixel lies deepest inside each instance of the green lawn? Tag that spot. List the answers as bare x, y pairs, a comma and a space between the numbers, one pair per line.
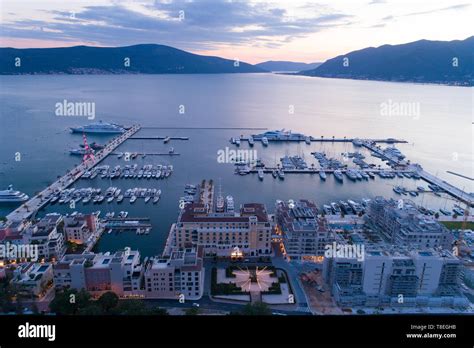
454, 225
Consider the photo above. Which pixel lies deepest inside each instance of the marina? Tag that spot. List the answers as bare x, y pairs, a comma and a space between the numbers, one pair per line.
30, 207
197, 160
73, 196
147, 171
398, 165
289, 136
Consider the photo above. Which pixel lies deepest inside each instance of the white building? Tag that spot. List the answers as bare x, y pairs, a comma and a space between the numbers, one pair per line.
182, 274
221, 233
304, 234
33, 279
78, 227
402, 224
403, 278
48, 237
120, 272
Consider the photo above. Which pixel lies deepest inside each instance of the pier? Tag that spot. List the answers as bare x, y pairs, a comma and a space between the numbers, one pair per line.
127, 224
157, 138
460, 175
448, 188
310, 170
206, 194
127, 227
210, 128
37, 202
383, 155
150, 153
328, 140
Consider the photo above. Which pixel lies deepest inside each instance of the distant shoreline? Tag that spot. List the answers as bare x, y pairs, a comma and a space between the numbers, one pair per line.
453, 84
108, 73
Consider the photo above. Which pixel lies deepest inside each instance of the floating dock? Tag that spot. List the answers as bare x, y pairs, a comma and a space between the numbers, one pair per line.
210, 128
329, 140
158, 138
127, 224
150, 154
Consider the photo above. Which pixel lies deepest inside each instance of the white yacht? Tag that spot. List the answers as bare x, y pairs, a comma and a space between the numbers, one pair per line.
157, 196
11, 196
99, 127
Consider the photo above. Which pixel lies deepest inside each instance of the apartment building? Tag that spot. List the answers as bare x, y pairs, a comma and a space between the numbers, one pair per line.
47, 234
400, 223
180, 274
79, 227
120, 272
396, 278
33, 279
247, 232
304, 234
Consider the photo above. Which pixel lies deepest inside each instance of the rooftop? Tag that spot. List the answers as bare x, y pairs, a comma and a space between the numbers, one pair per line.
197, 212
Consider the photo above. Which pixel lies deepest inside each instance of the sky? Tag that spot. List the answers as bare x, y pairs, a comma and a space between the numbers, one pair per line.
250, 31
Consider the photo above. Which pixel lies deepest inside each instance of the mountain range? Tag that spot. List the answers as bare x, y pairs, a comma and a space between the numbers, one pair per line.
283, 65
447, 62
137, 59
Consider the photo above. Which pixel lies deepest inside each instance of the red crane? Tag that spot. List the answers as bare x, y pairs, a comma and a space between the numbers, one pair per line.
88, 152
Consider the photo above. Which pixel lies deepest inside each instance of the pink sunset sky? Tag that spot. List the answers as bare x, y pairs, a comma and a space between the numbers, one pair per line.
251, 31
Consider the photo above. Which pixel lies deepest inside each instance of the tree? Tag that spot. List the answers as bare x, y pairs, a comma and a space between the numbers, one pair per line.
70, 301
91, 309
130, 307
157, 311
192, 311
7, 292
258, 308
34, 308
108, 301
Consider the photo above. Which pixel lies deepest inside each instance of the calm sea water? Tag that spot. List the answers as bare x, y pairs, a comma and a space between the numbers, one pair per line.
439, 135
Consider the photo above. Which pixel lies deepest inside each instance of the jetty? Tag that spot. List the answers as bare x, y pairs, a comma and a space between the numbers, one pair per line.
29, 208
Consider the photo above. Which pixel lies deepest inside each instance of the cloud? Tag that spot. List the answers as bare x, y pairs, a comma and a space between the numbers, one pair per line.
390, 18
449, 8
203, 24
437, 10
